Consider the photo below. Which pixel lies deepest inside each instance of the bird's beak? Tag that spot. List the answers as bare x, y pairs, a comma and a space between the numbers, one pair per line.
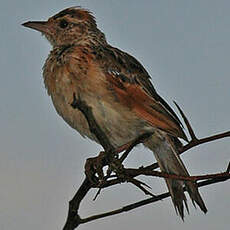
42, 26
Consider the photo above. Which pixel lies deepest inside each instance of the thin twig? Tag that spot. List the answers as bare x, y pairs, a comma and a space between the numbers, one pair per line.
146, 201
204, 140
195, 141
143, 171
131, 173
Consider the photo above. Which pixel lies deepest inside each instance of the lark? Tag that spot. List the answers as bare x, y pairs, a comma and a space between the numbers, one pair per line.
117, 88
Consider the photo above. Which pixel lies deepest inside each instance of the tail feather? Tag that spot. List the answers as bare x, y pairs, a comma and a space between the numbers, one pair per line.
178, 197
195, 196
169, 161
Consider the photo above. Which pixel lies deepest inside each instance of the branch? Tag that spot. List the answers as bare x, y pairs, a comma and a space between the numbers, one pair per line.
73, 219
146, 201
146, 172
194, 140
127, 175
93, 126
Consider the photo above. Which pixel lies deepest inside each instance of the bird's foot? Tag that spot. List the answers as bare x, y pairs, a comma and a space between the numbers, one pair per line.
94, 168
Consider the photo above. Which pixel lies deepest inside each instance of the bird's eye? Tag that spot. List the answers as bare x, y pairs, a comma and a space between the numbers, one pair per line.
63, 24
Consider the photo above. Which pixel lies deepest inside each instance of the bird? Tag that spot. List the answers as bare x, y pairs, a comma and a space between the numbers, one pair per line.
119, 91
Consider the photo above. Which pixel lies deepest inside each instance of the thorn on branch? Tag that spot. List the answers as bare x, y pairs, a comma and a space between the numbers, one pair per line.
189, 127
97, 194
197, 142
228, 168
139, 184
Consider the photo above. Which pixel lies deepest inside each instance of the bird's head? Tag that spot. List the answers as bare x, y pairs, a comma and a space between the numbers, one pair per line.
70, 26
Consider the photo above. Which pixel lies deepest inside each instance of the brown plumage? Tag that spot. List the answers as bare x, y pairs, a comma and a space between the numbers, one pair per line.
117, 87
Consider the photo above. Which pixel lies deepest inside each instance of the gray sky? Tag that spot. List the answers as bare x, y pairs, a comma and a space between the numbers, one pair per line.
184, 45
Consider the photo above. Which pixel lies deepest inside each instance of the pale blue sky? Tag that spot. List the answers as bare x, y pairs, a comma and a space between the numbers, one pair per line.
184, 45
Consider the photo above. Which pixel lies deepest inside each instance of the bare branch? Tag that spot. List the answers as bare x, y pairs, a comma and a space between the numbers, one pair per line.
194, 143
143, 171
122, 174
73, 219
146, 201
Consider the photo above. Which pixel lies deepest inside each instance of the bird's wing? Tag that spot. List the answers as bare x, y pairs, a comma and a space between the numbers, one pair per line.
131, 83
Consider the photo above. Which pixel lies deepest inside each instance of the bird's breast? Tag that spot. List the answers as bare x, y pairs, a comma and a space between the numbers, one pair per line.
117, 121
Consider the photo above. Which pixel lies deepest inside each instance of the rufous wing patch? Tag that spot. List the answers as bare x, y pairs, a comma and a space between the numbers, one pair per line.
146, 107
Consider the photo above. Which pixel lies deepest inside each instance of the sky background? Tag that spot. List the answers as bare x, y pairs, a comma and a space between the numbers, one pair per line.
184, 45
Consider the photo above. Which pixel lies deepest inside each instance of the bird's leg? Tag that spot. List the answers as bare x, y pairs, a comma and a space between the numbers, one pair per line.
116, 165
94, 165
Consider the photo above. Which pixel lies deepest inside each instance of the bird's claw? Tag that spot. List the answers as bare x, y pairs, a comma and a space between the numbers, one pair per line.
94, 168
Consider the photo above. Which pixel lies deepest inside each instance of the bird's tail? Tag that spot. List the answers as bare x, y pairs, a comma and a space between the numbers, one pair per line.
169, 161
